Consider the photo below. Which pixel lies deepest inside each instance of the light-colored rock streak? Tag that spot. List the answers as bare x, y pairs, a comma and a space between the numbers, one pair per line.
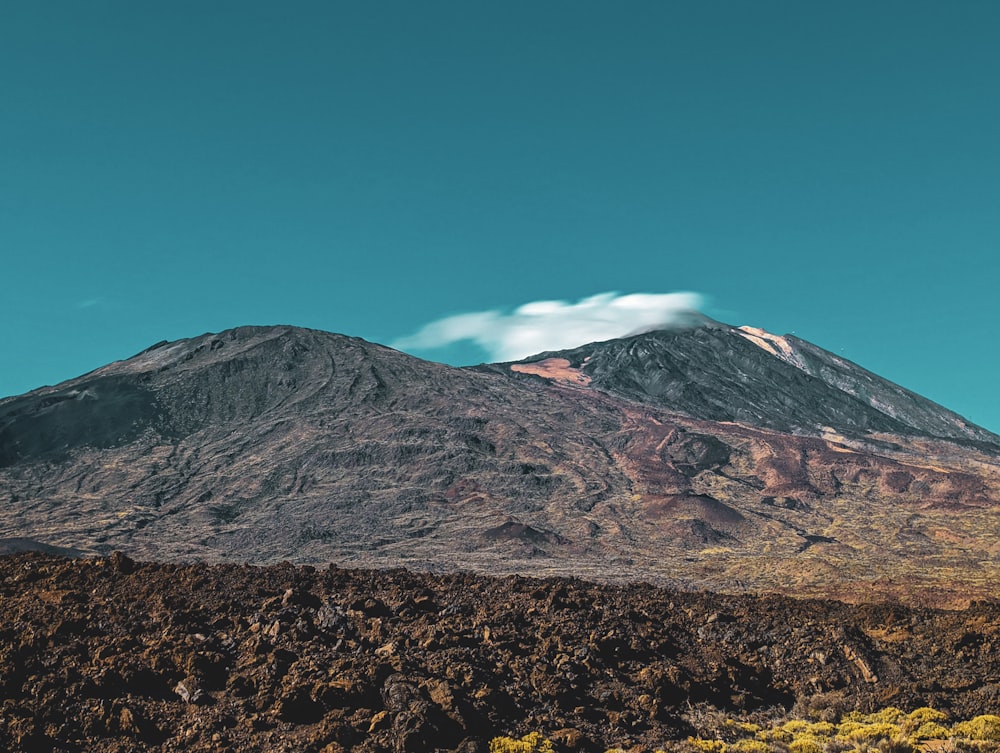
556, 369
774, 344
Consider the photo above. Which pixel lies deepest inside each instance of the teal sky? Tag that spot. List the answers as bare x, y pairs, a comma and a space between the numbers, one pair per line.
829, 169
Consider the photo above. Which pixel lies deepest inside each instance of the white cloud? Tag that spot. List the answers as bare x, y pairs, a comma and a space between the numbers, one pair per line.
556, 325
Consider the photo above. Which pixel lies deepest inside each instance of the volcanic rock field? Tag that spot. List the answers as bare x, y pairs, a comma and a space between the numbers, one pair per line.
112, 655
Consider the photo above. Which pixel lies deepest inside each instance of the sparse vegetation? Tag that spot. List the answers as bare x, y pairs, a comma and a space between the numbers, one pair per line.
890, 730
985, 728
533, 742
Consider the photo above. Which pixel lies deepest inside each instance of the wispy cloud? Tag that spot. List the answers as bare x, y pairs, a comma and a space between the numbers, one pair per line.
555, 325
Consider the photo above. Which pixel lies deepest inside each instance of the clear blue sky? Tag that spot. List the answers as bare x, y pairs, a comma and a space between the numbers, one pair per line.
831, 169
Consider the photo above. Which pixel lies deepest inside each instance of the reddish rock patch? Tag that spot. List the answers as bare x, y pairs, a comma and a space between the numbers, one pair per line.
556, 369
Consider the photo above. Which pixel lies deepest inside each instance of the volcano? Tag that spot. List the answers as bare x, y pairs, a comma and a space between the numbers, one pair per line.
709, 457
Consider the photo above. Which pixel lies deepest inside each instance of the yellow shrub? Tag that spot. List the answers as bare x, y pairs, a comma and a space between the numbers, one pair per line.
749, 746
821, 729
874, 731
888, 715
932, 731
805, 745
926, 714
533, 742
889, 731
704, 746
795, 726
985, 727
849, 726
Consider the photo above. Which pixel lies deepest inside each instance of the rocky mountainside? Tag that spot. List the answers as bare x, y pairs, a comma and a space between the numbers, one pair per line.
711, 457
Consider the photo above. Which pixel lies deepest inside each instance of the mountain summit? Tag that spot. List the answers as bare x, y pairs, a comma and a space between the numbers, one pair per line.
711, 457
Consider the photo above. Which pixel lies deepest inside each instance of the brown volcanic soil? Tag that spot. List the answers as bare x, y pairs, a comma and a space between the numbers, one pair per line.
111, 655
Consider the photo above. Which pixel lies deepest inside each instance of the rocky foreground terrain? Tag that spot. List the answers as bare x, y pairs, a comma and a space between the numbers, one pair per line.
709, 458
107, 654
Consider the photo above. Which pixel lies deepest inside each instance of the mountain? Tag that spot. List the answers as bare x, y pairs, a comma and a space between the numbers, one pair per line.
709, 457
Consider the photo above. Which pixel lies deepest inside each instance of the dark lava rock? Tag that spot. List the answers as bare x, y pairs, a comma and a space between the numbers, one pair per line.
188, 658
102, 412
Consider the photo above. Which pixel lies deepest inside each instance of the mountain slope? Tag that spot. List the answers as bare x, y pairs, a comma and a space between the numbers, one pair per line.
695, 458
